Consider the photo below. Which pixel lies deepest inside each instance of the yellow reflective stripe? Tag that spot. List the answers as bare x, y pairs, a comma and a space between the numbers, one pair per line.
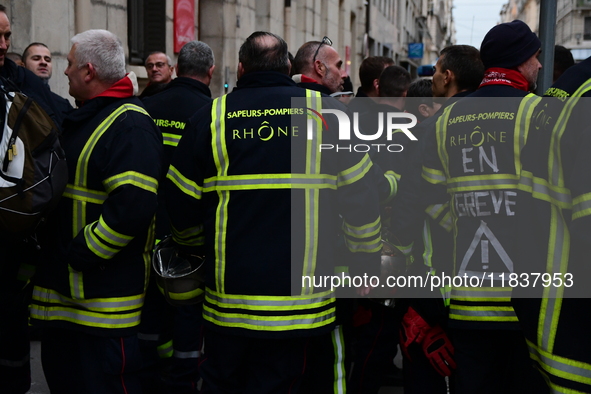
75, 279
79, 208
185, 185
427, 244
495, 294
270, 181
405, 249
364, 231
96, 245
481, 313
555, 160
561, 367
353, 174
269, 303
522, 124
115, 304
543, 190
220, 155
131, 178
446, 222
435, 210
581, 206
311, 196
371, 246
338, 343
433, 176
557, 262
192, 236
85, 318
392, 179
441, 135
171, 139
482, 182
83, 194
103, 230
187, 295
165, 350
270, 323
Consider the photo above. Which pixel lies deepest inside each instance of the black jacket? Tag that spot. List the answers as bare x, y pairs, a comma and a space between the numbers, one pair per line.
99, 240
245, 185
171, 110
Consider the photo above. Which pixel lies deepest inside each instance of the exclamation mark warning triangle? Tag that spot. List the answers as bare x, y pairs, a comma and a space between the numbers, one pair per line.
476, 263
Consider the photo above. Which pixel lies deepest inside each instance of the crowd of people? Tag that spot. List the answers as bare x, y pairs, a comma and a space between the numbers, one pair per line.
494, 184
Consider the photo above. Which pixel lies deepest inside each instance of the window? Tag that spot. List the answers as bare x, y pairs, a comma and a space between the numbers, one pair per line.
587, 33
147, 27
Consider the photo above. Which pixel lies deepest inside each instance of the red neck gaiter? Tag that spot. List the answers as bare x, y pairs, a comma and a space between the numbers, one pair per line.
504, 76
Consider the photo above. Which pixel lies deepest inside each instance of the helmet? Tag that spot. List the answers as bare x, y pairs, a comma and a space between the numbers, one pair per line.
180, 276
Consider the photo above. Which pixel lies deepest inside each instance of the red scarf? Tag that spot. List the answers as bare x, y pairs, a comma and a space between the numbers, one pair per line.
120, 89
504, 76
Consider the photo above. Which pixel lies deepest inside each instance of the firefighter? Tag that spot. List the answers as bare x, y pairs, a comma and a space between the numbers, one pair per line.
173, 332
473, 153
555, 236
248, 187
90, 286
426, 237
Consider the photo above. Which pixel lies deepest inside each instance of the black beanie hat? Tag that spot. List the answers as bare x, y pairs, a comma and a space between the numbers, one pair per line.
508, 45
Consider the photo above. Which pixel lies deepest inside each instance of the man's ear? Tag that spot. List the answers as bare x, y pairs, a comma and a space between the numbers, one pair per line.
449, 77
319, 67
90, 73
424, 110
209, 72
240, 71
376, 85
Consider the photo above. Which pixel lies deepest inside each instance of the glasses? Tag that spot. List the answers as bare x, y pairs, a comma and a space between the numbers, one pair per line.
325, 40
158, 65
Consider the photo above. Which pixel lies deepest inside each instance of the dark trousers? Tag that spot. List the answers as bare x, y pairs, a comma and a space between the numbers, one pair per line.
170, 341
494, 361
15, 369
236, 364
76, 362
374, 347
419, 375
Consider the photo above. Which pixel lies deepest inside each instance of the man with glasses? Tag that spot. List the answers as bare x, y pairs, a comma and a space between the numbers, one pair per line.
320, 67
159, 68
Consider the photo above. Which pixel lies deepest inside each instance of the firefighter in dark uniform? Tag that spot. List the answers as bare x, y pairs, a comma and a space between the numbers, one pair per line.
250, 188
475, 155
427, 237
18, 261
90, 287
169, 332
555, 188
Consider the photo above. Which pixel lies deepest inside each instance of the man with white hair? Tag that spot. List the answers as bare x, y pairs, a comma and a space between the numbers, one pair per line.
91, 284
159, 68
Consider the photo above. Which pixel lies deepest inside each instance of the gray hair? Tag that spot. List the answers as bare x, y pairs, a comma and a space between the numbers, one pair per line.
195, 59
104, 51
168, 59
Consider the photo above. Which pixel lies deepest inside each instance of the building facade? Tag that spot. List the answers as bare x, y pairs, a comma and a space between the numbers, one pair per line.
358, 28
573, 22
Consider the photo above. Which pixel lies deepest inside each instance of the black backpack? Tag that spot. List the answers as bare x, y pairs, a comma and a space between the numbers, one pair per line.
33, 171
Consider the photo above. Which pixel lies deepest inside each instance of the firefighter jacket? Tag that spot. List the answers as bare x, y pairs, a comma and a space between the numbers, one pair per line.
249, 185
475, 153
556, 237
171, 110
421, 222
98, 245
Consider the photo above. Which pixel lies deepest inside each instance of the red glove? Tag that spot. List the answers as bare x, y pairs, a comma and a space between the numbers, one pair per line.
439, 351
414, 328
